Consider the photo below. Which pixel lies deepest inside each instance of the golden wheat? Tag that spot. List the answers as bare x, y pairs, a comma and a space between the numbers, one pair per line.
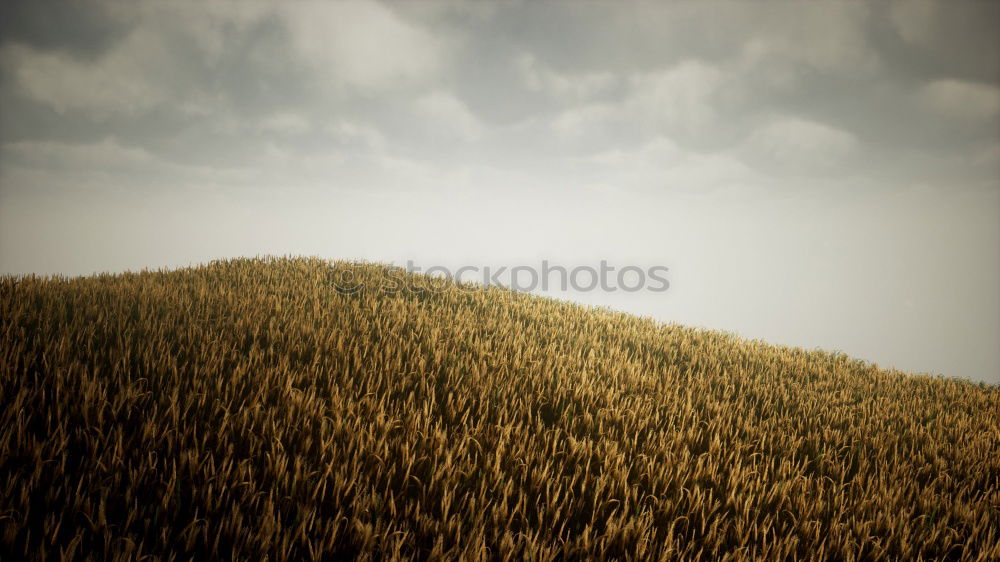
248, 408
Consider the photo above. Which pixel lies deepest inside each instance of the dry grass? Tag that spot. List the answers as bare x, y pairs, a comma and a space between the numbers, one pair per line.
247, 408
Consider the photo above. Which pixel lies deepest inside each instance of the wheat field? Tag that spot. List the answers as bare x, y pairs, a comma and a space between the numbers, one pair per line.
248, 409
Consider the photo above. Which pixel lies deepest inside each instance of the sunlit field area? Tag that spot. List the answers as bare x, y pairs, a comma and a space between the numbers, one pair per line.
250, 408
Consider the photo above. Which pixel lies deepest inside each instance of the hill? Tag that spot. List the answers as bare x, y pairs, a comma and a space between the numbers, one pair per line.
250, 408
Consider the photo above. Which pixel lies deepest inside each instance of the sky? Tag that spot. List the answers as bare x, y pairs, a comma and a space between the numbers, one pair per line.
824, 175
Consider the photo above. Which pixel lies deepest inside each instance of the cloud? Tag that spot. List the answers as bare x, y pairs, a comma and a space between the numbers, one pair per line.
362, 45
538, 77
826, 37
589, 120
446, 115
172, 56
284, 123
212, 25
677, 102
789, 143
125, 79
961, 100
678, 98
681, 102
106, 165
661, 164
358, 135
912, 19
73, 27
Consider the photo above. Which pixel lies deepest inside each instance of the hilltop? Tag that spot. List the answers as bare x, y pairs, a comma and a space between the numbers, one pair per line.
251, 407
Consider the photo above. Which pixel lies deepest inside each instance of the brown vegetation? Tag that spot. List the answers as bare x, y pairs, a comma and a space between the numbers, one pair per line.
248, 408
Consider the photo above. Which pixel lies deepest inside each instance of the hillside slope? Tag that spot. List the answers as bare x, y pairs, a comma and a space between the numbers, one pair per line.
248, 407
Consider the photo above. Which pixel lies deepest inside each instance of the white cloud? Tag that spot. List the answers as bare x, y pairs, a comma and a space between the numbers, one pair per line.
661, 164
672, 101
798, 144
446, 114
961, 100
107, 153
107, 164
586, 120
284, 123
679, 98
693, 98
539, 78
362, 44
355, 133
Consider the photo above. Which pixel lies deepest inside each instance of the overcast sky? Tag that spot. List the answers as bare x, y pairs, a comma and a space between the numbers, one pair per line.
822, 175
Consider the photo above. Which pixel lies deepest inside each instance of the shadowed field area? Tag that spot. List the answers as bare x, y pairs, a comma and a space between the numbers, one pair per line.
249, 408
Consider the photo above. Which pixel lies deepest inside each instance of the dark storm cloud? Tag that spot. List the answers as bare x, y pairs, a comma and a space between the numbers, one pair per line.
926, 41
198, 79
865, 69
80, 28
